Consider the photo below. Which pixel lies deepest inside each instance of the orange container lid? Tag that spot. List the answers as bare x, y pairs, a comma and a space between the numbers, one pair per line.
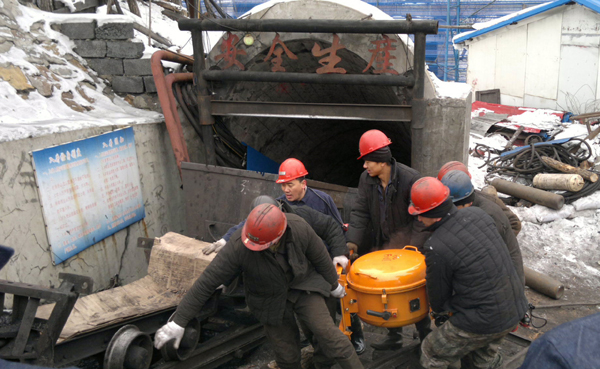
394, 270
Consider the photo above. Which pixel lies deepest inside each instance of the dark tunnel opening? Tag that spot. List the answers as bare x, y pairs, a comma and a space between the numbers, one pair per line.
328, 148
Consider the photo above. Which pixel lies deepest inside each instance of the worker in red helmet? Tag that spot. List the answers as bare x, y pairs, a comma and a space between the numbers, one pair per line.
464, 195
380, 213
473, 288
292, 178
515, 222
287, 274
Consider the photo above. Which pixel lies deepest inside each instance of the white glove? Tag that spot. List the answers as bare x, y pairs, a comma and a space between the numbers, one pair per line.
341, 260
214, 247
167, 332
339, 292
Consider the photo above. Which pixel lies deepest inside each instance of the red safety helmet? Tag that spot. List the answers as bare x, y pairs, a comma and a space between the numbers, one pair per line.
291, 169
427, 193
452, 165
372, 140
264, 227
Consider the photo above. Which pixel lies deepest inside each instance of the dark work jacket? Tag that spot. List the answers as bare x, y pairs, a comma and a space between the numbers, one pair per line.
573, 345
515, 222
265, 283
503, 227
470, 273
325, 226
366, 208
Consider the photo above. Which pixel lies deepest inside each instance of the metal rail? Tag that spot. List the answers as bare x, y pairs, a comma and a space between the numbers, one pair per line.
382, 113
340, 79
429, 27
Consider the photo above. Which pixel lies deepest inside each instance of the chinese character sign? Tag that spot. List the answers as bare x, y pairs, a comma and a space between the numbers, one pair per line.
89, 190
328, 63
380, 55
230, 52
277, 60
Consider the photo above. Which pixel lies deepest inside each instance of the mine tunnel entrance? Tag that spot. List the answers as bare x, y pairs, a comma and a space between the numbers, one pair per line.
328, 147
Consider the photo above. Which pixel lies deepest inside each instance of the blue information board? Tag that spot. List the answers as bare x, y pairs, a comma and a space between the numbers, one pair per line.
89, 190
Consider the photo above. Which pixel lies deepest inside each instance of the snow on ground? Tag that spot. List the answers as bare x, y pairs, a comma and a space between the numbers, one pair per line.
564, 244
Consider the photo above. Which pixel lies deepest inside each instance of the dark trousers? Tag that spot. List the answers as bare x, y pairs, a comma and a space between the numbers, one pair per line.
314, 316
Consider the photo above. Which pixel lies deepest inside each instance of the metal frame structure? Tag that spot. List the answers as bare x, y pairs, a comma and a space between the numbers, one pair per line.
208, 108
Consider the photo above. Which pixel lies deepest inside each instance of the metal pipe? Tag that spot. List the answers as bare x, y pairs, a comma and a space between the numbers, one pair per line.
420, 149
543, 284
311, 26
534, 195
341, 79
204, 108
170, 111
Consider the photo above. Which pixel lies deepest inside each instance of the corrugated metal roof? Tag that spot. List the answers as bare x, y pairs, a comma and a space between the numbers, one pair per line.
592, 4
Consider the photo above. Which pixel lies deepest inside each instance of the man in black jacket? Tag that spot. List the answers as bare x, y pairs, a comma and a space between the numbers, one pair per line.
470, 279
464, 195
287, 273
380, 213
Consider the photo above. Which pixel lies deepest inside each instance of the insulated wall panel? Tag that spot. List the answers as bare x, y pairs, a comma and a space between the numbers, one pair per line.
577, 78
543, 57
511, 58
511, 100
482, 62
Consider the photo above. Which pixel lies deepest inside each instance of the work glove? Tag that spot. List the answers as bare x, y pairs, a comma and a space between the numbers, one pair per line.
354, 248
339, 292
341, 260
214, 247
167, 332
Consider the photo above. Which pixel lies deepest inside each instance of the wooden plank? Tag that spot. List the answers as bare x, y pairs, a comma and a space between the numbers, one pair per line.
176, 261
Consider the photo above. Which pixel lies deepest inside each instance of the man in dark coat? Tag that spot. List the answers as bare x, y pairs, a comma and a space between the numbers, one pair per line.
470, 279
568, 346
515, 222
380, 213
464, 195
287, 272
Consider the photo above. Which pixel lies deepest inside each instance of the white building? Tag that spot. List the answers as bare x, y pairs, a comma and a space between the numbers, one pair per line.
543, 57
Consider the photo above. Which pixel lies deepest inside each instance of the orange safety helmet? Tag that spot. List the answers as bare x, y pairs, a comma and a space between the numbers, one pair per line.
264, 227
427, 193
291, 169
452, 165
372, 140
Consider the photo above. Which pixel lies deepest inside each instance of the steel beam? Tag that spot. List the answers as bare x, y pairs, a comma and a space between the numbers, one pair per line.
382, 113
340, 79
429, 27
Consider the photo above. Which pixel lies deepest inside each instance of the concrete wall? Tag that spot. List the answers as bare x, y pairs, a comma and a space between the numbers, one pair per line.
22, 226
547, 61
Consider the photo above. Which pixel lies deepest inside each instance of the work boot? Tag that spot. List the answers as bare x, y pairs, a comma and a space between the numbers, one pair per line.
353, 362
393, 340
358, 337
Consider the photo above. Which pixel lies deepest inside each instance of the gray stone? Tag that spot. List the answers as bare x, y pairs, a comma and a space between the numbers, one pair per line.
62, 71
137, 67
128, 84
90, 48
149, 84
5, 46
107, 66
124, 49
115, 31
42, 85
79, 31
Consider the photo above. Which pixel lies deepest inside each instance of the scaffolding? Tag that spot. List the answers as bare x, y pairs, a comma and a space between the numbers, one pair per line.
442, 59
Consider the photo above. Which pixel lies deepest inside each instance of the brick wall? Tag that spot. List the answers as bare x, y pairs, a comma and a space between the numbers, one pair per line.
111, 52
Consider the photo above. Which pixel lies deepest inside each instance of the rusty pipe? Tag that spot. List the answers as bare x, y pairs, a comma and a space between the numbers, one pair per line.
175, 78
167, 104
543, 284
534, 195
